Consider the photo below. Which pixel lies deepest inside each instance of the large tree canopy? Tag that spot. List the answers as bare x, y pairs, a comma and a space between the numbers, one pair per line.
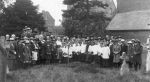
82, 19
2, 4
15, 17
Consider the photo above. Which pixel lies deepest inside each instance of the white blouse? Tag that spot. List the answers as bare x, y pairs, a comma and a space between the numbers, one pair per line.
83, 48
105, 52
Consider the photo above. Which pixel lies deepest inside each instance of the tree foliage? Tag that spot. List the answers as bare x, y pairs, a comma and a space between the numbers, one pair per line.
15, 17
1, 4
80, 19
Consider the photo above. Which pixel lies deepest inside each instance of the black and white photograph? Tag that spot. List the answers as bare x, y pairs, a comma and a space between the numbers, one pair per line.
74, 40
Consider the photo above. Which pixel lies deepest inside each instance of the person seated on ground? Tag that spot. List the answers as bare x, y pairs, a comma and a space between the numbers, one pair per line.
124, 67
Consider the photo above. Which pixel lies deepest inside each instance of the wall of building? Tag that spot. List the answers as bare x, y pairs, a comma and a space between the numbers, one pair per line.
49, 21
141, 35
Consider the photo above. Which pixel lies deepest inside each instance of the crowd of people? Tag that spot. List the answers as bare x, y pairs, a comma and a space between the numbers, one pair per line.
108, 51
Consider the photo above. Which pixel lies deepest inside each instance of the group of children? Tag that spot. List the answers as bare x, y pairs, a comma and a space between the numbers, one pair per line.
105, 51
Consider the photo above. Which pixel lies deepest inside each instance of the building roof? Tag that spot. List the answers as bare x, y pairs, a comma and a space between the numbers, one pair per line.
132, 5
135, 20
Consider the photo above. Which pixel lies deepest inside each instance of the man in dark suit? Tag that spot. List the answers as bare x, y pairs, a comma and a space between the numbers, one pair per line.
137, 59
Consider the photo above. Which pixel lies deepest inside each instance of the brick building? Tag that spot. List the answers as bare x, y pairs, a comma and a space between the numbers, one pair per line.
132, 20
49, 21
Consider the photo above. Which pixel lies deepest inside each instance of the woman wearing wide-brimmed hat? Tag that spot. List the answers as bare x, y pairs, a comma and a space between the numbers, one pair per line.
116, 49
130, 53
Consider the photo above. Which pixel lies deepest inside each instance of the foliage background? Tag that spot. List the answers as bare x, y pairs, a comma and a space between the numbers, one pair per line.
18, 15
83, 18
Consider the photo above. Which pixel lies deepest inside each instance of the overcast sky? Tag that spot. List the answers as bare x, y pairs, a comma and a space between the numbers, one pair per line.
53, 6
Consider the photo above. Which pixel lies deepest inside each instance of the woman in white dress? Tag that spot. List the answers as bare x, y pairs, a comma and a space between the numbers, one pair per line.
105, 50
148, 55
83, 49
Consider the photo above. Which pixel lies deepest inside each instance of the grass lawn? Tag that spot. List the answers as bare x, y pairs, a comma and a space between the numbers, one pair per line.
73, 72
77, 72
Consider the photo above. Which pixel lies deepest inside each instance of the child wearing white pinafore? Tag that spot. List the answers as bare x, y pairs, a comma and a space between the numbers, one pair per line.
124, 67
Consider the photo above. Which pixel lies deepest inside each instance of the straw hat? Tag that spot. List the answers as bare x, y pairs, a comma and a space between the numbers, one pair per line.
27, 41
122, 40
11, 39
25, 38
13, 35
7, 35
129, 42
28, 28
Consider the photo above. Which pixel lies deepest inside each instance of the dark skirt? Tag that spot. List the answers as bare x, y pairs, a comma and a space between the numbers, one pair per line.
111, 59
131, 59
27, 55
116, 58
48, 56
74, 56
83, 57
137, 59
97, 59
92, 58
105, 62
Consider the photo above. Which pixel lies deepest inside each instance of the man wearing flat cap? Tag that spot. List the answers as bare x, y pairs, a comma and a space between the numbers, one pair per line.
123, 46
27, 31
